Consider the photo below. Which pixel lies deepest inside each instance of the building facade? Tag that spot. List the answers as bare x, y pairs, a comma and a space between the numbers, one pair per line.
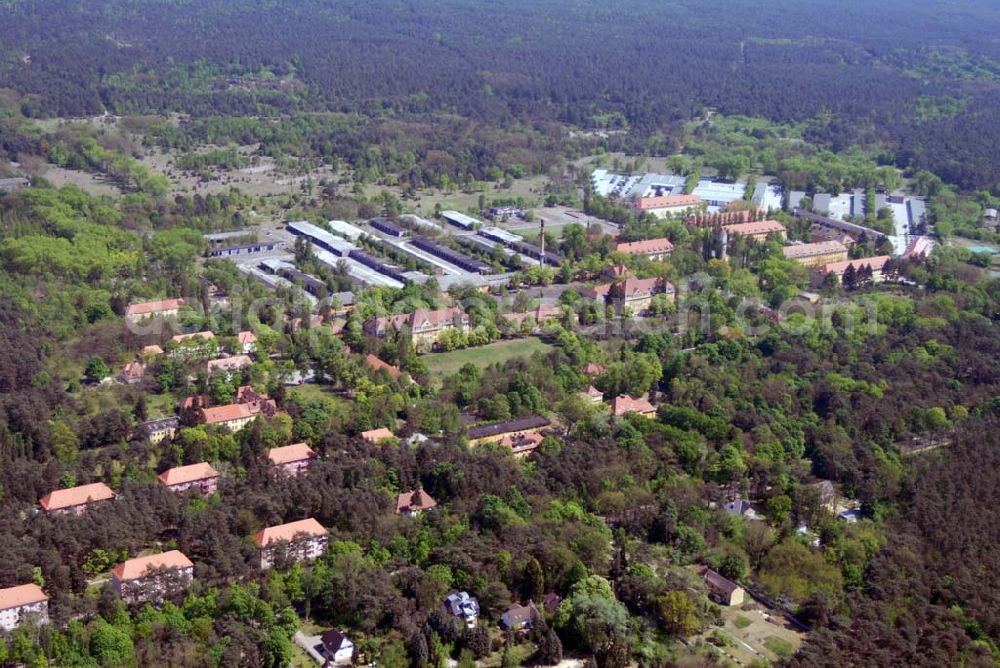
816, 253
300, 541
76, 500
292, 459
24, 604
152, 578
195, 477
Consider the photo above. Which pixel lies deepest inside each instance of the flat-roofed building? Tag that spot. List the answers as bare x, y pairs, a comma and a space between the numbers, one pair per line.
292, 459
164, 308
301, 540
817, 253
152, 578
24, 604
76, 500
758, 230
201, 477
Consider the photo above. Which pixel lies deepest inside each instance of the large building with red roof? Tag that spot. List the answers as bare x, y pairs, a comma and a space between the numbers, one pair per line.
23, 604
758, 230
163, 308
301, 540
76, 500
668, 205
292, 459
232, 417
200, 477
625, 403
654, 249
153, 577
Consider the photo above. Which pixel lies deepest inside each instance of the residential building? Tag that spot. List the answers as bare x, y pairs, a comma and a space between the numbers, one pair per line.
723, 590
76, 500
519, 617
164, 308
378, 435
522, 445
412, 504
201, 477
23, 604
158, 430
625, 403
597, 293
377, 365
463, 606
540, 315
292, 459
133, 372
816, 253
498, 430
668, 205
636, 294
758, 230
654, 249
425, 326
876, 264
232, 417
337, 647
228, 365
152, 578
301, 540
592, 369
247, 342
593, 395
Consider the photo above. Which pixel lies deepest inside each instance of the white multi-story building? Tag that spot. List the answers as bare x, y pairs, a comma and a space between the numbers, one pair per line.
301, 540
23, 604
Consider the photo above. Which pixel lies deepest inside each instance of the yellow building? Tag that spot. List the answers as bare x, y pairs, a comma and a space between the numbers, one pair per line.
817, 254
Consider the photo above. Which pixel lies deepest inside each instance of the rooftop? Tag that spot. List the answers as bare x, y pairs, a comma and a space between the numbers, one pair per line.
194, 335
15, 597
287, 532
813, 249
184, 474
760, 227
645, 247
133, 569
510, 426
290, 453
376, 435
226, 413
876, 263
668, 202
717, 582
625, 403
75, 496
148, 308
416, 500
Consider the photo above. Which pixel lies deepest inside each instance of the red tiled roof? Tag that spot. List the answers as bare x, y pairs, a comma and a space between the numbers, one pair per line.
593, 392
152, 350
133, 370
26, 594
133, 569
75, 496
376, 364
624, 403
751, 229
669, 202
246, 337
522, 443
226, 413
405, 501
632, 288
645, 247
596, 291
149, 308
288, 532
593, 369
194, 401
877, 263
184, 474
290, 453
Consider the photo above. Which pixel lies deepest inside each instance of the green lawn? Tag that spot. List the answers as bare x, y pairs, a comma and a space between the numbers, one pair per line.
782, 648
443, 364
741, 622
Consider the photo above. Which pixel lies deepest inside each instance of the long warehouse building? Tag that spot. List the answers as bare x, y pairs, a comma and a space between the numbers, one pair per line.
321, 238
454, 257
357, 271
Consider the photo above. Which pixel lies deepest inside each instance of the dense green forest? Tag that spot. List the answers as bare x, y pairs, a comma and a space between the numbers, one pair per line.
919, 78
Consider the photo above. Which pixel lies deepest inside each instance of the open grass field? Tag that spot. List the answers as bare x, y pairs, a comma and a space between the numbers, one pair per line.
443, 364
